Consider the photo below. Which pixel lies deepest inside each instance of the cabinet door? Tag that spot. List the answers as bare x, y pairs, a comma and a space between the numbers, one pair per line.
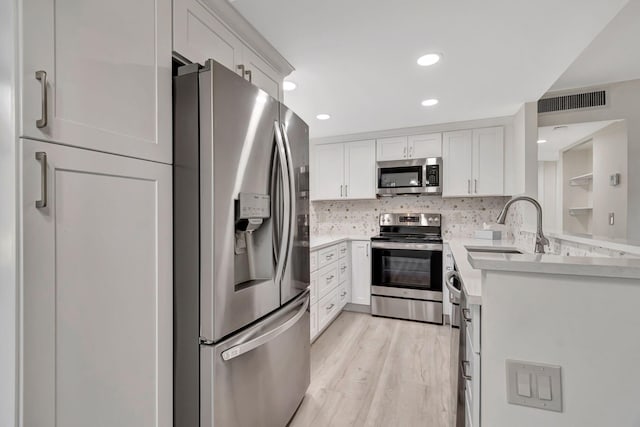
488, 161
457, 153
327, 172
97, 289
360, 159
262, 74
199, 35
424, 146
360, 272
108, 75
392, 148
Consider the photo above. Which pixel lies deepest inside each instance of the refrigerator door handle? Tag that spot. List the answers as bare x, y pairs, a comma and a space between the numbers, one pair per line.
292, 194
246, 347
286, 183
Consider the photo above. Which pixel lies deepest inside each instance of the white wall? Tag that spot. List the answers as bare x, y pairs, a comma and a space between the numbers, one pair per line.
609, 157
560, 320
622, 99
523, 162
8, 289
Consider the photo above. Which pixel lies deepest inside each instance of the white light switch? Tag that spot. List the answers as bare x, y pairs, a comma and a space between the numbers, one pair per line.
524, 384
544, 387
534, 384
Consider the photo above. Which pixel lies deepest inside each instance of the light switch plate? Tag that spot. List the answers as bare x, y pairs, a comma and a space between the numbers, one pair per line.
544, 382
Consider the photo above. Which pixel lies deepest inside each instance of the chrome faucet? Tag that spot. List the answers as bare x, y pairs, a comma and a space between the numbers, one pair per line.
541, 241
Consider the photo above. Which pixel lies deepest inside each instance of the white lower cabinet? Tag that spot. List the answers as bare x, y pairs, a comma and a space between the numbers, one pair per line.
361, 272
330, 285
97, 288
471, 363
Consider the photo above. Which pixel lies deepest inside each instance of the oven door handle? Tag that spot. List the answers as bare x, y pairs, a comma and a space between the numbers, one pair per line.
407, 246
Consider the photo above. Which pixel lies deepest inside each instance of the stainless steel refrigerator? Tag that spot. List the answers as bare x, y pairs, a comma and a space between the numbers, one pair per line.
241, 252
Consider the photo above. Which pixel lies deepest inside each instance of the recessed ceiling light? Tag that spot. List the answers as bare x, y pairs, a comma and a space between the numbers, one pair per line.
323, 117
429, 102
542, 141
428, 59
289, 86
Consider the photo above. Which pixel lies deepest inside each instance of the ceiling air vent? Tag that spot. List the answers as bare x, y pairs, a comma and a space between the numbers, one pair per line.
573, 102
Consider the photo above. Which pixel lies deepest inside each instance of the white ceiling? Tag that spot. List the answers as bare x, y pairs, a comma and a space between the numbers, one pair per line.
561, 137
356, 59
611, 57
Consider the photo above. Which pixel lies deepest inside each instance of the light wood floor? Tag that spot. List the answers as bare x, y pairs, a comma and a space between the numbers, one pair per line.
372, 371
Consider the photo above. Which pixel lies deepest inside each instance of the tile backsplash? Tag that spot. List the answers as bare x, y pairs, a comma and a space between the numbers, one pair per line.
461, 217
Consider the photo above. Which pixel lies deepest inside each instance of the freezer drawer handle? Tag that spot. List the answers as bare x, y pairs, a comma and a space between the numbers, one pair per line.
246, 347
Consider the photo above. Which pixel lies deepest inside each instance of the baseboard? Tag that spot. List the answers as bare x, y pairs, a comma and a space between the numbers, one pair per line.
358, 308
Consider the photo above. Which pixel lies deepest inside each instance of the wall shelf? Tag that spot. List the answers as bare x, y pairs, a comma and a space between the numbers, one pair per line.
581, 179
580, 210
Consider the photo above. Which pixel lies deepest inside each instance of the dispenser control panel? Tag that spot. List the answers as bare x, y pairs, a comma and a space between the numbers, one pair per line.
253, 206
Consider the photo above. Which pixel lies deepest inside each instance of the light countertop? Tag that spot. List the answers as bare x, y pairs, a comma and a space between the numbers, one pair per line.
623, 268
471, 276
319, 242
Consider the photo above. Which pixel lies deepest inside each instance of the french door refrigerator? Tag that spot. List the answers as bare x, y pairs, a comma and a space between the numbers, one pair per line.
241, 252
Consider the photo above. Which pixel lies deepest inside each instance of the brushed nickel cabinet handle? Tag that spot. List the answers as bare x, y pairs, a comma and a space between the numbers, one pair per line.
466, 376
241, 68
469, 186
248, 74
330, 307
404, 152
41, 156
341, 191
346, 191
475, 186
42, 77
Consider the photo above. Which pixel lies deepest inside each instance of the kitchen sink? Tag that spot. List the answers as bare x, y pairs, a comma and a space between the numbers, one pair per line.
494, 250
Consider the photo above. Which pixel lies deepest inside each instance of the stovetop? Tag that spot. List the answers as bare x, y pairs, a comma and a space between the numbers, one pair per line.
410, 228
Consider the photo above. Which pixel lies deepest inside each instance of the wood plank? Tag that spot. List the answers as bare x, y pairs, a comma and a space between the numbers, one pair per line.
372, 371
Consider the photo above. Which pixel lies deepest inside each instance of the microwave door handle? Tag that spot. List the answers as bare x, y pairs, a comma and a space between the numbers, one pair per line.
291, 194
286, 219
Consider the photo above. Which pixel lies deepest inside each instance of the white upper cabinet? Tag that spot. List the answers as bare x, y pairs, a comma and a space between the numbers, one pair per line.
361, 272
412, 147
97, 75
343, 170
424, 146
97, 289
457, 153
473, 162
360, 170
392, 148
327, 171
199, 34
488, 161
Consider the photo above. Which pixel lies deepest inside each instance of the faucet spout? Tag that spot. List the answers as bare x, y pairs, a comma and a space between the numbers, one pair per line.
541, 240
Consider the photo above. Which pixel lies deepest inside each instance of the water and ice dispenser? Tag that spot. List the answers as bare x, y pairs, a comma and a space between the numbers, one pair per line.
253, 238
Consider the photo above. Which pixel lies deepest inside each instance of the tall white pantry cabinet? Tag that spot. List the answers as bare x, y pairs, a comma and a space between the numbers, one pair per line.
96, 213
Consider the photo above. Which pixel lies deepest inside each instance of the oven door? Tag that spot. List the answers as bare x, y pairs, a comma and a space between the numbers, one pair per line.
408, 270
401, 177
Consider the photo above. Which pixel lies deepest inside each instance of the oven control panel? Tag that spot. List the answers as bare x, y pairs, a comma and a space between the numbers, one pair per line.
410, 219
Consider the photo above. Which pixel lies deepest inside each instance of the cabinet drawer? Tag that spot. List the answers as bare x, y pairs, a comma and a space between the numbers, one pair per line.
313, 288
313, 261
327, 256
344, 272
342, 250
313, 321
344, 296
328, 307
327, 279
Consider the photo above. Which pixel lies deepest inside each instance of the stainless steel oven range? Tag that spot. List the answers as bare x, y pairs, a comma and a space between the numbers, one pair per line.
407, 267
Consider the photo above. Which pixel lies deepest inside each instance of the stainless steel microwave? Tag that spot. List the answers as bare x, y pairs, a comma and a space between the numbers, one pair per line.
412, 176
